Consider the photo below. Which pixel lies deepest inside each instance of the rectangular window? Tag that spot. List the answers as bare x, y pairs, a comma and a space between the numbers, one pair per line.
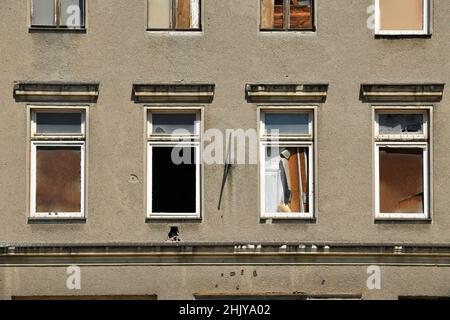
402, 164
58, 14
174, 15
57, 163
287, 164
401, 17
284, 15
174, 162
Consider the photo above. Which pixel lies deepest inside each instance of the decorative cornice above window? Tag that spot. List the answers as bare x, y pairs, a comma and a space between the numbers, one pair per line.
172, 93
56, 92
401, 92
315, 93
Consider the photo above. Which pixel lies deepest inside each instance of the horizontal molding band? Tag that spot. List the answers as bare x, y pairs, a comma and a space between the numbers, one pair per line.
276, 93
56, 92
173, 93
373, 93
224, 254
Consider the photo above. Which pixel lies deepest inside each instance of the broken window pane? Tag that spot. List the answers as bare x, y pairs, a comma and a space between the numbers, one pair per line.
401, 15
168, 123
286, 180
72, 13
174, 186
287, 123
400, 123
272, 14
43, 13
159, 14
300, 14
58, 179
58, 123
401, 180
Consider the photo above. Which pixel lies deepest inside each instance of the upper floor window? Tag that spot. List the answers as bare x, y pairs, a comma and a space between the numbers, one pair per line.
58, 14
402, 164
402, 17
57, 182
174, 15
285, 15
287, 163
173, 163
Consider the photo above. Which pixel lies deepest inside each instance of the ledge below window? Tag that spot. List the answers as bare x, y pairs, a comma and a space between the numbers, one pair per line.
33, 220
56, 30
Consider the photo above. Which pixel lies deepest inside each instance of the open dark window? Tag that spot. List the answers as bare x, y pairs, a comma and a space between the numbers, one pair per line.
285, 15
58, 14
173, 164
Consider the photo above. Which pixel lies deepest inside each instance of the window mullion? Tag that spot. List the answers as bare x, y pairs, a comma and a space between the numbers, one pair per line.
287, 17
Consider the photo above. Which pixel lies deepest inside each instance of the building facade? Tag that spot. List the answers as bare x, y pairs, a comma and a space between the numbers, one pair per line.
340, 190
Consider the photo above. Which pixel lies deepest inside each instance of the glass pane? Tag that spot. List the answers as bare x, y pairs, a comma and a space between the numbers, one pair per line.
174, 185
159, 14
300, 14
72, 13
58, 179
287, 123
401, 123
167, 123
58, 123
401, 14
43, 13
401, 180
286, 180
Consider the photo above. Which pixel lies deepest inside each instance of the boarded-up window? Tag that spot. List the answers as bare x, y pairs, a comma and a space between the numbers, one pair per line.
287, 15
401, 180
174, 14
58, 14
58, 179
402, 15
57, 163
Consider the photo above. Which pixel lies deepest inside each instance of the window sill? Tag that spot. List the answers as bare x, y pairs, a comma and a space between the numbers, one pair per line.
288, 33
393, 36
56, 30
278, 220
35, 220
403, 220
174, 219
183, 33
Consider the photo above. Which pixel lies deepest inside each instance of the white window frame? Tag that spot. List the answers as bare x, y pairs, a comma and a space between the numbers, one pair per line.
196, 16
168, 140
57, 18
403, 141
40, 140
296, 140
424, 31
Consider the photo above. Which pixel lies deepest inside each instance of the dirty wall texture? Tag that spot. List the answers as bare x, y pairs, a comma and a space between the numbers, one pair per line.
199, 282
230, 52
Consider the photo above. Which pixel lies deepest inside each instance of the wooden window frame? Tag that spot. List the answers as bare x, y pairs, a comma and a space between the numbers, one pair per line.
403, 141
168, 140
298, 141
286, 19
57, 19
424, 31
173, 19
38, 140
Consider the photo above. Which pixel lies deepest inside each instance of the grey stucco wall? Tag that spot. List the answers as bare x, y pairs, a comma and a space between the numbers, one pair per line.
230, 52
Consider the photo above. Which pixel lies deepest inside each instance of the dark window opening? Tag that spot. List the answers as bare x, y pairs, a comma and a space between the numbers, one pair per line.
174, 186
